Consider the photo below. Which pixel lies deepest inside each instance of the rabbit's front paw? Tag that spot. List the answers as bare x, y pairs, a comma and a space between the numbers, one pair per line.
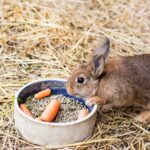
144, 117
95, 100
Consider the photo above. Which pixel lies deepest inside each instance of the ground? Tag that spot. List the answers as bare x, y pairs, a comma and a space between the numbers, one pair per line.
44, 39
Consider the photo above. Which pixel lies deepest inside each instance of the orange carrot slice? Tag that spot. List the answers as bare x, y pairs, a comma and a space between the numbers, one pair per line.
83, 113
26, 110
50, 111
42, 94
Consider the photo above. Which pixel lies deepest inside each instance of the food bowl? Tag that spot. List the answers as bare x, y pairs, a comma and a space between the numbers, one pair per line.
49, 133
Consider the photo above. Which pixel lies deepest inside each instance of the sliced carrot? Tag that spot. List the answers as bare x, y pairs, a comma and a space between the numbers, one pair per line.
83, 113
42, 94
50, 111
26, 110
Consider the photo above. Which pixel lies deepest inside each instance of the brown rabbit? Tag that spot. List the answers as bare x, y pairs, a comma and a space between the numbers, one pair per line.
115, 82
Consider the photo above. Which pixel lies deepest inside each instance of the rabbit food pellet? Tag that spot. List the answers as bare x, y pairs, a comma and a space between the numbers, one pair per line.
68, 112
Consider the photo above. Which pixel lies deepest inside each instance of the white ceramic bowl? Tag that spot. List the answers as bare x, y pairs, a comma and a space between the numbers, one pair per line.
51, 134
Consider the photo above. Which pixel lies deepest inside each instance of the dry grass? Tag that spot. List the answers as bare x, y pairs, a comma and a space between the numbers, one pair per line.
47, 39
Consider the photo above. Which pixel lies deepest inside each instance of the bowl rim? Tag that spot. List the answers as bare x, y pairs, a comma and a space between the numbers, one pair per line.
49, 123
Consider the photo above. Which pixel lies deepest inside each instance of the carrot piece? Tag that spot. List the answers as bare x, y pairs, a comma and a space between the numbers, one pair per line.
42, 94
83, 113
50, 111
26, 110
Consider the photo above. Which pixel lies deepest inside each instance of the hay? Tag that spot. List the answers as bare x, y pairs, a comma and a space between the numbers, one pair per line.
47, 39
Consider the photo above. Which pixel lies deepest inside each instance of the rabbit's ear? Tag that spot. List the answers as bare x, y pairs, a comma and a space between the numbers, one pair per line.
97, 65
103, 49
99, 57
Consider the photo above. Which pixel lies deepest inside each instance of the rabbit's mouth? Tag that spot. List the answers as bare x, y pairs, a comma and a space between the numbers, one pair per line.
70, 91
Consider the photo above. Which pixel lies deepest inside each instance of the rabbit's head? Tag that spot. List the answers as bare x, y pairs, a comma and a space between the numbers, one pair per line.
84, 80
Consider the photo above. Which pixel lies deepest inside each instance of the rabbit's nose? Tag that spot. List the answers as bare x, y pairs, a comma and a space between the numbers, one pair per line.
70, 90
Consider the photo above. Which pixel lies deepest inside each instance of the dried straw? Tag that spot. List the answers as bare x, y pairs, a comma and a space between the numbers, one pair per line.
43, 39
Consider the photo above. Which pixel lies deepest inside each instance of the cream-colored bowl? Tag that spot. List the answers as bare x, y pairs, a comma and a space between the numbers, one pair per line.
51, 134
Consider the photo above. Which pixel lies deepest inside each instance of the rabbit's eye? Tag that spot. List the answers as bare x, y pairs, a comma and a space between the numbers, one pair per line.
80, 80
